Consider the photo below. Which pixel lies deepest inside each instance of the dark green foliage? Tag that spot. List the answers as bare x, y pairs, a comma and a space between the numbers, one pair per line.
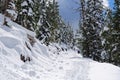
91, 24
116, 34
1, 6
67, 35
43, 33
24, 16
112, 35
52, 14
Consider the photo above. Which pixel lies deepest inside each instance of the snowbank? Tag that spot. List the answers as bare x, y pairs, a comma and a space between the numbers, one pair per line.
104, 71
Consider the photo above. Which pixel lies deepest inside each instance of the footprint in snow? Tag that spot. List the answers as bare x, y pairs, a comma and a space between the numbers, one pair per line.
60, 67
25, 78
67, 63
38, 77
32, 73
24, 67
60, 61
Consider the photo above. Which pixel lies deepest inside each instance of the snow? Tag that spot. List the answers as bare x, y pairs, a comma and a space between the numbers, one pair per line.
100, 71
53, 62
12, 13
106, 3
24, 3
106, 29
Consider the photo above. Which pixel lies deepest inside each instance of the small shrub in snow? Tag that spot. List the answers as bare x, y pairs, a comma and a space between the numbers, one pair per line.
24, 59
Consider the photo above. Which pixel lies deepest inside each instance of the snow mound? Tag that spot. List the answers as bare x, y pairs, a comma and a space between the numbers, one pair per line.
103, 71
23, 57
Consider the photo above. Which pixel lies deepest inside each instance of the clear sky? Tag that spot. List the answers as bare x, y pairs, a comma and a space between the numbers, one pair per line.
70, 14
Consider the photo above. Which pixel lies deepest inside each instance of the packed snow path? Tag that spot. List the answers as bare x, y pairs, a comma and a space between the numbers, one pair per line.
74, 68
79, 70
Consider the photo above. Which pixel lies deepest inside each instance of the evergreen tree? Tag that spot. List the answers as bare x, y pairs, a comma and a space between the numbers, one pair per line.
43, 33
36, 8
67, 35
78, 38
70, 36
112, 35
116, 33
52, 10
107, 37
25, 13
91, 26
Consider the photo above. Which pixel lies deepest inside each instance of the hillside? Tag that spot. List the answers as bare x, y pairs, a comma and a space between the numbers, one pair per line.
23, 57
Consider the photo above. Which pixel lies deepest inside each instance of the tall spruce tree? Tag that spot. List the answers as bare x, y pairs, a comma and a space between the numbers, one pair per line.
67, 35
43, 33
107, 37
79, 39
115, 50
25, 13
112, 35
91, 24
52, 10
36, 8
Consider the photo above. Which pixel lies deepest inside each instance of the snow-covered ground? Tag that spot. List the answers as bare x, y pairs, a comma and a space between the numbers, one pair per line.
47, 62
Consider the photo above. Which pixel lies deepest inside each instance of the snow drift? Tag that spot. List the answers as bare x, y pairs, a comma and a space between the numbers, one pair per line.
23, 57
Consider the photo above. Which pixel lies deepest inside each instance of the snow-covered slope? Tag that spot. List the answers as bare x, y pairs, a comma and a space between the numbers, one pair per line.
53, 62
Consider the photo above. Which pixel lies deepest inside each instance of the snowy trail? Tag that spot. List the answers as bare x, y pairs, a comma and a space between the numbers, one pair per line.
75, 68
81, 69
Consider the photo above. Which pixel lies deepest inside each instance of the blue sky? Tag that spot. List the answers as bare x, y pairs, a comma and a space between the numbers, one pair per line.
111, 3
69, 13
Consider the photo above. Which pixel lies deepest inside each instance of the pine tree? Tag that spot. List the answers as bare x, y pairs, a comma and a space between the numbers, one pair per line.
112, 35
25, 13
36, 7
43, 33
91, 26
52, 10
79, 38
115, 50
49, 22
67, 35
30, 15
107, 37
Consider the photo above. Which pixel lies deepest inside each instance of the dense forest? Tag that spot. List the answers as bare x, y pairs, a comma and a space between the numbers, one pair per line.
98, 36
100, 31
